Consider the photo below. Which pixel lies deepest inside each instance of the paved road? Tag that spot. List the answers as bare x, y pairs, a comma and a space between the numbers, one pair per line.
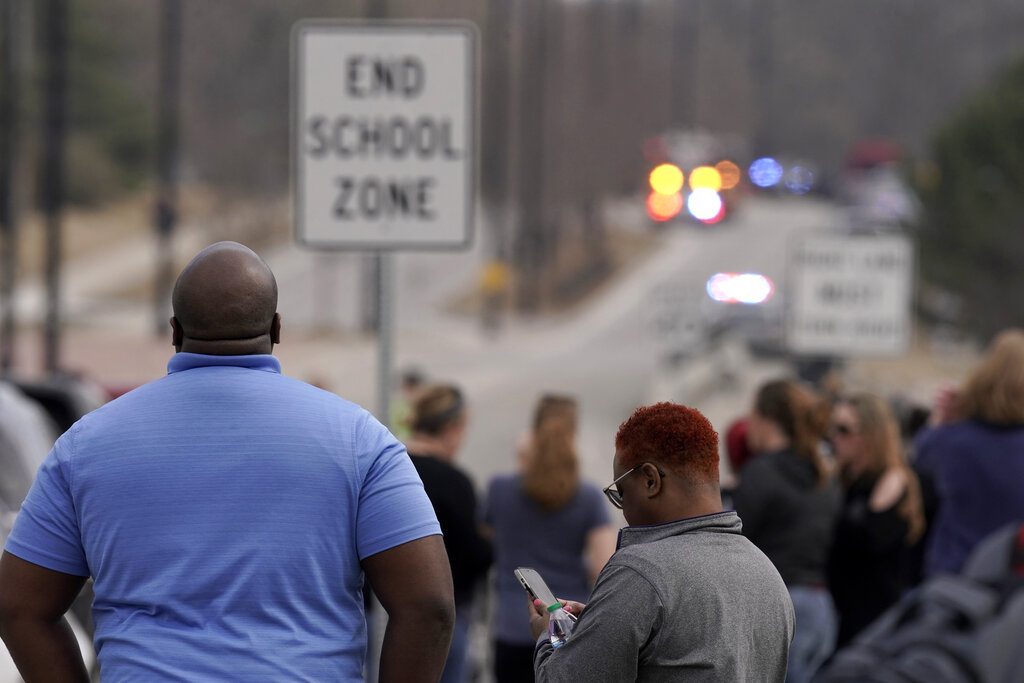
605, 351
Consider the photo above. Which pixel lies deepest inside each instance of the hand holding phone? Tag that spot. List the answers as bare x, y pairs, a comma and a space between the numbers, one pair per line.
535, 586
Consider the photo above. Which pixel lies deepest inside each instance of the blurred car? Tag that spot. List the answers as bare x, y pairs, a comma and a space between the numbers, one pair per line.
748, 306
879, 200
693, 177
874, 190
26, 434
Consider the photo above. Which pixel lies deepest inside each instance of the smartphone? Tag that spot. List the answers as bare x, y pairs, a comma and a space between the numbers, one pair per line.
534, 584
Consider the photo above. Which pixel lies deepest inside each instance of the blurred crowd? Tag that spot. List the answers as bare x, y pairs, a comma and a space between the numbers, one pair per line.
854, 498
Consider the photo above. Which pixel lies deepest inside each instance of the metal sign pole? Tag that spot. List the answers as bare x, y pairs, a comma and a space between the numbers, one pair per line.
53, 170
165, 215
385, 313
9, 122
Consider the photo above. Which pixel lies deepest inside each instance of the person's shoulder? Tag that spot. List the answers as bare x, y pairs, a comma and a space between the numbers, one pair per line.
502, 483
760, 466
953, 437
118, 411
423, 462
642, 560
750, 560
888, 490
590, 495
439, 468
315, 393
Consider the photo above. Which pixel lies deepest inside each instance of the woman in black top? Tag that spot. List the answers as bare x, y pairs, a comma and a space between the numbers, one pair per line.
788, 500
881, 516
438, 426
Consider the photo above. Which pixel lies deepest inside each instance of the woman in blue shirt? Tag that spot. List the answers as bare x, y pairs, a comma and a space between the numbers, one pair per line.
546, 518
977, 459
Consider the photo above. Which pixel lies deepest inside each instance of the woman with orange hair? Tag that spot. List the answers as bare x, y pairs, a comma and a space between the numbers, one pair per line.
977, 458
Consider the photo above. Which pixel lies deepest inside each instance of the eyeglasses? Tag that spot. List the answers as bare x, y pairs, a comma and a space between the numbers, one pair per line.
842, 429
612, 490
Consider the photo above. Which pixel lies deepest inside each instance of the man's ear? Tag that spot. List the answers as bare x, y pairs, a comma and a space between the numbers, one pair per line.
275, 329
651, 479
177, 334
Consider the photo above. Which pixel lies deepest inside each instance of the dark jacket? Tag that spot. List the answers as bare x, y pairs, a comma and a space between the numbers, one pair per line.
451, 493
788, 515
867, 568
978, 469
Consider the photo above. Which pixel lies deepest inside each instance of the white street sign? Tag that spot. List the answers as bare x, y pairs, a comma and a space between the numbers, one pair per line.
675, 317
850, 295
384, 134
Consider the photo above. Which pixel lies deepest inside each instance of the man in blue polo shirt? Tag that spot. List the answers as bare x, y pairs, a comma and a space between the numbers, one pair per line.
227, 515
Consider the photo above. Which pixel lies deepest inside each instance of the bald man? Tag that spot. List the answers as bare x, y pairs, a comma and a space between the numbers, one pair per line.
227, 515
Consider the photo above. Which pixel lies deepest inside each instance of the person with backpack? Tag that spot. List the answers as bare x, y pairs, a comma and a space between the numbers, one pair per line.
954, 628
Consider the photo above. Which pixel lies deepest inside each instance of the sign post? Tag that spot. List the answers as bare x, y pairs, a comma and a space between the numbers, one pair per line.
850, 295
384, 144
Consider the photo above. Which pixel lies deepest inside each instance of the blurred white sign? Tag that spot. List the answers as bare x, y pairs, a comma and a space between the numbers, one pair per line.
676, 318
383, 134
850, 295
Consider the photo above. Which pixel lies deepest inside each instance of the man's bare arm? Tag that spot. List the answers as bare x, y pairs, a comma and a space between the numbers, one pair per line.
414, 584
33, 601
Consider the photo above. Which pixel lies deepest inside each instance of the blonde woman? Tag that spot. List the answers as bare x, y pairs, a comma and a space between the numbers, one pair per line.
543, 517
881, 517
977, 457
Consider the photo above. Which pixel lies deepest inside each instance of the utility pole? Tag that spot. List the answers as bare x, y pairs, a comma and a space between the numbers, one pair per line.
53, 171
684, 64
165, 214
762, 72
498, 122
9, 129
531, 246
593, 181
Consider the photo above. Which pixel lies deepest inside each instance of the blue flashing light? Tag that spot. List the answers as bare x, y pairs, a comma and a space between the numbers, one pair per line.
765, 172
800, 180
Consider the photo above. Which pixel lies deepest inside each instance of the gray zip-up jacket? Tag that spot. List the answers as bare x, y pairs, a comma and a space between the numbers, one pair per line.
692, 600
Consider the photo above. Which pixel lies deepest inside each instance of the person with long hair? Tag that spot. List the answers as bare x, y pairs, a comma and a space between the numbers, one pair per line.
545, 517
976, 458
788, 501
882, 515
438, 424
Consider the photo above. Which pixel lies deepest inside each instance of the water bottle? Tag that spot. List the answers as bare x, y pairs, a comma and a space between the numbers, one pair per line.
559, 625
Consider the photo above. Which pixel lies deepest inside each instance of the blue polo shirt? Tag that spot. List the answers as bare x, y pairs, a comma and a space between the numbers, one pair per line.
222, 512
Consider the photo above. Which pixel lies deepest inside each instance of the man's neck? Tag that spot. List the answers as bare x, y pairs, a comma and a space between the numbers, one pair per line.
228, 347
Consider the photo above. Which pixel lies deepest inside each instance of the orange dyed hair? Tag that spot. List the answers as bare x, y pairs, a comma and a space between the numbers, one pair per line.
676, 436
